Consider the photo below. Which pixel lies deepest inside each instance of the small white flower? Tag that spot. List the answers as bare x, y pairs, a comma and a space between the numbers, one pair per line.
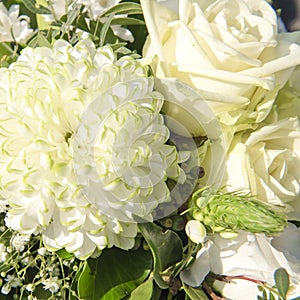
30, 287
3, 253
56, 271
94, 8
42, 251
196, 231
3, 206
51, 284
19, 241
6, 288
13, 281
12, 26
28, 260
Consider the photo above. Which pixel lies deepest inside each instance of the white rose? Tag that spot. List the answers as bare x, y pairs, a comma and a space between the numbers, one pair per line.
229, 50
287, 102
266, 163
188, 114
254, 256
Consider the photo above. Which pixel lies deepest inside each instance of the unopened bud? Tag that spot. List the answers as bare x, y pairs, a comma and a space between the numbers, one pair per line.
233, 211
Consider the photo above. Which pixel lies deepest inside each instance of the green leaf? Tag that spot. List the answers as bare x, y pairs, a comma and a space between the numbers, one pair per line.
41, 293
156, 293
195, 293
35, 8
114, 275
282, 281
5, 49
86, 281
166, 248
140, 34
42, 41
81, 23
127, 21
71, 16
64, 254
39, 40
117, 47
144, 291
271, 296
124, 8
104, 30
6, 56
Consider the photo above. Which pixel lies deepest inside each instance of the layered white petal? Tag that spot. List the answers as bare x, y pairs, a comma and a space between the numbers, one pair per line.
83, 147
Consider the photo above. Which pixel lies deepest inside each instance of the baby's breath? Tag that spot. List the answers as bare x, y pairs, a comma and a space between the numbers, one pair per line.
28, 267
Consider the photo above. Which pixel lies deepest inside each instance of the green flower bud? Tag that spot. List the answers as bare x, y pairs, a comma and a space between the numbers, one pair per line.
224, 212
166, 222
178, 223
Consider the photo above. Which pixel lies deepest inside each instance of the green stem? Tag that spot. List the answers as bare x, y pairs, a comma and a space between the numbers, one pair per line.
192, 249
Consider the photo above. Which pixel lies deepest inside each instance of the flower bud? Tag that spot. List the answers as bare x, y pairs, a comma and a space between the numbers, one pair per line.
196, 231
233, 211
178, 223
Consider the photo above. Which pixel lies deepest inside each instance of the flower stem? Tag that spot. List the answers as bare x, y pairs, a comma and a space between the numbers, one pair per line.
210, 292
228, 279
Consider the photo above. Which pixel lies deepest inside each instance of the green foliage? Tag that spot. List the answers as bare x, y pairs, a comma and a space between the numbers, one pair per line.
279, 290
7, 55
104, 30
35, 8
86, 281
166, 248
127, 21
128, 8
144, 291
39, 40
114, 275
195, 293
282, 281
64, 254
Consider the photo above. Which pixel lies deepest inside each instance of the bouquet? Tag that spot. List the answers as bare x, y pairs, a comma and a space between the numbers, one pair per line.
149, 149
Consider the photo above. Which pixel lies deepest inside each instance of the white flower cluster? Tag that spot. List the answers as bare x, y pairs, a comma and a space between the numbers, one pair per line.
94, 8
63, 104
12, 26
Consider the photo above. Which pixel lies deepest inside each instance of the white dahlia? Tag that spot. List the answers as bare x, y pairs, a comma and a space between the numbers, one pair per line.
83, 152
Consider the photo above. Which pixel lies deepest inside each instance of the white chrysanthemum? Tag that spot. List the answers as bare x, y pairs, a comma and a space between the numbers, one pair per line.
12, 26
63, 104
